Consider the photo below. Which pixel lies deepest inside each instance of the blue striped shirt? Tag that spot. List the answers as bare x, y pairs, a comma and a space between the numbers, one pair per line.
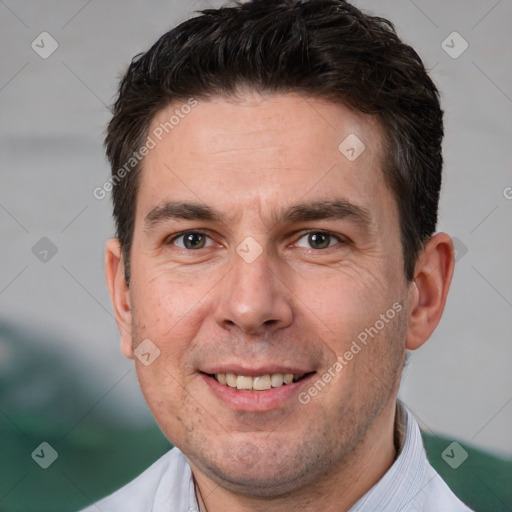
410, 485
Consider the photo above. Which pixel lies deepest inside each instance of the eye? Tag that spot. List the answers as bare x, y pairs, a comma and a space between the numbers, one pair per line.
191, 240
318, 240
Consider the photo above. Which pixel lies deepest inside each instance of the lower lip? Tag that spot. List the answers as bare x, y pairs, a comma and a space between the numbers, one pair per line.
256, 401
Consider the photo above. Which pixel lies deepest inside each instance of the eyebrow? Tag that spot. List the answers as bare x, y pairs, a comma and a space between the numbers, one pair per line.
181, 210
318, 210
302, 212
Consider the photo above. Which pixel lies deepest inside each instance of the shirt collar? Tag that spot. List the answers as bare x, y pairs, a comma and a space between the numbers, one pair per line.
402, 480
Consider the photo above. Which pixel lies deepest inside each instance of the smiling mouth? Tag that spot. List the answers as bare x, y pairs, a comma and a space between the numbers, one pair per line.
257, 383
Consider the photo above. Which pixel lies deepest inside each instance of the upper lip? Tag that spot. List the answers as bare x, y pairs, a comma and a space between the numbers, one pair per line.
255, 372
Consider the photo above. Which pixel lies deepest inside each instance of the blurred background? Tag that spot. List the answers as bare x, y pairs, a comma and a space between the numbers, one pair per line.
63, 379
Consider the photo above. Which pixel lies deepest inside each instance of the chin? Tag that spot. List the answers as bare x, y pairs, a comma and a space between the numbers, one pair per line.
259, 482
264, 470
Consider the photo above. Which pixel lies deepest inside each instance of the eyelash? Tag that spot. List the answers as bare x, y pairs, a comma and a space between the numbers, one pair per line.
340, 239
172, 239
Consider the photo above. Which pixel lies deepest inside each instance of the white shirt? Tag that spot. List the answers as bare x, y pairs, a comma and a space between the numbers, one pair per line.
410, 485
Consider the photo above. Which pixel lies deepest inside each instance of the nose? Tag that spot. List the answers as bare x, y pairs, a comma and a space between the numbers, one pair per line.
254, 298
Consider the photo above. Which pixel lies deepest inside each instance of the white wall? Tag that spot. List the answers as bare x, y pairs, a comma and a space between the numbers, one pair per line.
53, 116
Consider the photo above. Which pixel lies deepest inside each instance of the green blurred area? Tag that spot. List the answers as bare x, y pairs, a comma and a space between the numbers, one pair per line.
96, 457
483, 481
90, 465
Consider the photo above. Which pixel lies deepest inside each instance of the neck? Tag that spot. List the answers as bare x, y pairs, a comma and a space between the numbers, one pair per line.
337, 491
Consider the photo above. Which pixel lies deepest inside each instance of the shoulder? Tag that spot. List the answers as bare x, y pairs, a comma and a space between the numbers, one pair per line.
434, 494
168, 479
411, 484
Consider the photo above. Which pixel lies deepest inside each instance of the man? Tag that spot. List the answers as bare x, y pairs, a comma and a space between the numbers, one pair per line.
276, 169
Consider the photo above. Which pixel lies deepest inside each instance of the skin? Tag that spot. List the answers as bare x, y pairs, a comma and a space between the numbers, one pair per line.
296, 304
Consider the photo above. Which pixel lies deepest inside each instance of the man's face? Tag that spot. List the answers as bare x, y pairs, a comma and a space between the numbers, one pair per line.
261, 250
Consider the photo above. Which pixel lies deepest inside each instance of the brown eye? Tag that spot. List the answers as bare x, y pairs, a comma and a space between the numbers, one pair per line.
318, 240
191, 240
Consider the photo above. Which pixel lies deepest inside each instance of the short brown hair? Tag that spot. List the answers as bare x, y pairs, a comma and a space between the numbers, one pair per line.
326, 49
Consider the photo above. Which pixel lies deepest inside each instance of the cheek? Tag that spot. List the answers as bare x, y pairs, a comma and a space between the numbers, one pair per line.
169, 314
165, 394
347, 302
163, 305
367, 352
171, 321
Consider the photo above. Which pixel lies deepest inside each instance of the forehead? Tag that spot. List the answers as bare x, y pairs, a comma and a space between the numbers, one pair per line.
262, 150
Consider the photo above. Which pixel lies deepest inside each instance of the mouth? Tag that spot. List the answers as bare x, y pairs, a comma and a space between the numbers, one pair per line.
262, 382
256, 390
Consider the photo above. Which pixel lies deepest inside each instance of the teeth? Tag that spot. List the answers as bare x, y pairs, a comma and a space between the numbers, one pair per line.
244, 383
277, 380
230, 380
288, 378
259, 383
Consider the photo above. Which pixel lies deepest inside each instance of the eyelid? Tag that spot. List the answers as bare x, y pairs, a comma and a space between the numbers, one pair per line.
171, 239
340, 238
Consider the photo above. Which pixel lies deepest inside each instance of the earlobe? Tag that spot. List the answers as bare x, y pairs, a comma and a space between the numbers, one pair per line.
429, 290
119, 294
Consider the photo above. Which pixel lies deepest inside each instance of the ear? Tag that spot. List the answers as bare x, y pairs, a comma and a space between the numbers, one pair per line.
119, 294
428, 292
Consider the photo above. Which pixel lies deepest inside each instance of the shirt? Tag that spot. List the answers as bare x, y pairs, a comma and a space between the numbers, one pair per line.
410, 485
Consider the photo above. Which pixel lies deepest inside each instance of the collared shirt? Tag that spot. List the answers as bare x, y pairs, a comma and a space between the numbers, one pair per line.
410, 485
